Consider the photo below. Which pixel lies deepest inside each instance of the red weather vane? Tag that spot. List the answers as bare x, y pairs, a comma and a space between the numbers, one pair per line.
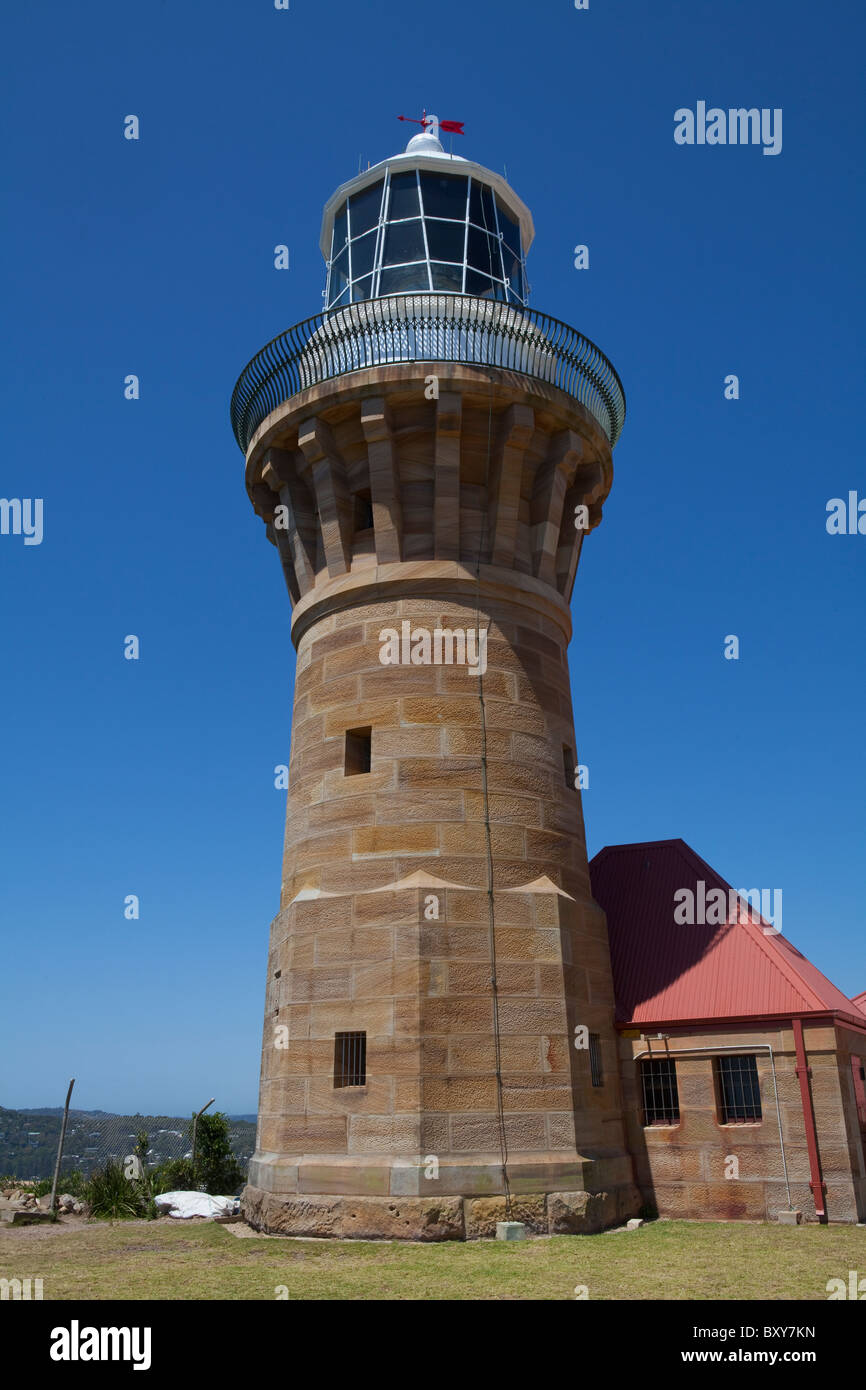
455, 127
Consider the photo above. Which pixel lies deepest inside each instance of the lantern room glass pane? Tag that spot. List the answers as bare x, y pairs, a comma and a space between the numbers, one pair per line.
363, 252
339, 274
364, 208
404, 241
445, 240
362, 289
447, 277
444, 195
513, 270
403, 278
509, 229
481, 206
404, 196
483, 253
340, 232
482, 286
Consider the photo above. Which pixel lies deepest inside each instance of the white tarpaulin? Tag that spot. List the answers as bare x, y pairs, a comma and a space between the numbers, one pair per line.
184, 1204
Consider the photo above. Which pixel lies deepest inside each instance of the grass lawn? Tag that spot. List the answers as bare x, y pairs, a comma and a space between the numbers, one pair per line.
664, 1260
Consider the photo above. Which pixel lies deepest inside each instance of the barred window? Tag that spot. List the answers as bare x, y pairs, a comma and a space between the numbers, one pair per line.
739, 1090
350, 1059
661, 1101
596, 1070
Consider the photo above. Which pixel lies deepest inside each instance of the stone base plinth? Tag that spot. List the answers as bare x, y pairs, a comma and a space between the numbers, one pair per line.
434, 1218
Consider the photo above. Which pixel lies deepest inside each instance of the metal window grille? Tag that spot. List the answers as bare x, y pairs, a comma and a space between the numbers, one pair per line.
661, 1101
358, 751
739, 1090
596, 1070
350, 1059
568, 765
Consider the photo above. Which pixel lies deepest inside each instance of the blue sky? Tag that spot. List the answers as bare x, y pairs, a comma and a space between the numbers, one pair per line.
155, 257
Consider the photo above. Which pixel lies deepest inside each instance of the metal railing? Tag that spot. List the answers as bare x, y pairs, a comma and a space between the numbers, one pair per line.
427, 328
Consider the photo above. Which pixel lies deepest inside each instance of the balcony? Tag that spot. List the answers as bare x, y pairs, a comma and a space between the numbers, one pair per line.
427, 328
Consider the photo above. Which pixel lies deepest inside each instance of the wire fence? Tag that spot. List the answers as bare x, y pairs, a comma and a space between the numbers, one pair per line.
29, 1140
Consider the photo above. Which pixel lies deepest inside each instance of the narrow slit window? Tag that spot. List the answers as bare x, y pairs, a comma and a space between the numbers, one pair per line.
661, 1101
359, 744
739, 1090
350, 1059
596, 1070
568, 765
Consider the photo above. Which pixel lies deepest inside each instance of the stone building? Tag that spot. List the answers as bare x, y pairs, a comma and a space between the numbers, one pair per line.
743, 1067
428, 455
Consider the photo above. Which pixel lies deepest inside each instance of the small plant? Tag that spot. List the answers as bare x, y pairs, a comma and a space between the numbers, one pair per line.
115, 1197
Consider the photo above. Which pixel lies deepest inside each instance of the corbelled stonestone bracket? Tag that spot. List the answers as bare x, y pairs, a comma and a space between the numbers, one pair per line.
332, 496
553, 478
488, 471
513, 434
446, 482
296, 535
377, 428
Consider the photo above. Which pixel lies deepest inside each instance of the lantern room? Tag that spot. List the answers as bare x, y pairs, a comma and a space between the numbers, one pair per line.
426, 220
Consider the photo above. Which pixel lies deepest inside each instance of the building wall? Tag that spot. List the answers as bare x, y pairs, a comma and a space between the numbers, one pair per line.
852, 1087
681, 1169
419, 988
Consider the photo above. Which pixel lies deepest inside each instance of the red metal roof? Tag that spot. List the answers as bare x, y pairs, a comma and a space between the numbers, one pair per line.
860, 1001
665, 971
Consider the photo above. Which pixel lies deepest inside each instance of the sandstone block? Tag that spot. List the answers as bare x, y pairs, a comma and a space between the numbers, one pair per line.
580, 1213
483, 1214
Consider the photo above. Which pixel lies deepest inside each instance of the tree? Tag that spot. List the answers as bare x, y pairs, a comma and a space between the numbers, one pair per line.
216, 1168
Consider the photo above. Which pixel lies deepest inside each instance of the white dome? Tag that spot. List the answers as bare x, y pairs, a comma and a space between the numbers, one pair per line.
425, 143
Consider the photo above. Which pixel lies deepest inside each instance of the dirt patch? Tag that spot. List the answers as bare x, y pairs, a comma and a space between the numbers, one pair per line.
68, 1225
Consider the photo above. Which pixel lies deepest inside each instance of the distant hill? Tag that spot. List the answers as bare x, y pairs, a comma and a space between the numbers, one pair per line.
54, 1110
29, 1139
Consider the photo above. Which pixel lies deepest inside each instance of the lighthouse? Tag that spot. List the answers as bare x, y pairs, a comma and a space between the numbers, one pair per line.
428, 455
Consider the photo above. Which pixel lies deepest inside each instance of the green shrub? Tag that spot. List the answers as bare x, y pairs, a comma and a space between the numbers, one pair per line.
175, 1175
115, 1197
73, 1182
216, 1167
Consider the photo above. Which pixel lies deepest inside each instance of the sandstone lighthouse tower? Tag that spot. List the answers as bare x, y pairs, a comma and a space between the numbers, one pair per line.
428, 455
